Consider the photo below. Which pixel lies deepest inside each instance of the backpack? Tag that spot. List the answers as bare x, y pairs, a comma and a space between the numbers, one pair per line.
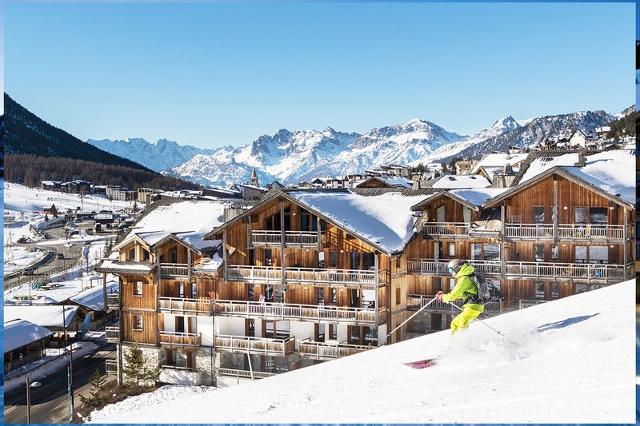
481, 286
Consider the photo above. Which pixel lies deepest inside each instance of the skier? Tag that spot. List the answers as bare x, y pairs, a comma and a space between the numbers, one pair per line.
464, 289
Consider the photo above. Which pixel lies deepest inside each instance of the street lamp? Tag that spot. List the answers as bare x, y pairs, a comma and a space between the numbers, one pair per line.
30, 385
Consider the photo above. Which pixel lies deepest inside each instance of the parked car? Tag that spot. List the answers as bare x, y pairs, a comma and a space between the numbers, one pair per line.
29, 271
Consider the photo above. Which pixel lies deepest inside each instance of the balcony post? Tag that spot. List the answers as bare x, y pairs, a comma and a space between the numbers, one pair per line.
319, 237
625, 242
282, 245
376, 281
158, 279
503, 245
224, 254
555, 210
104, 291
189, 266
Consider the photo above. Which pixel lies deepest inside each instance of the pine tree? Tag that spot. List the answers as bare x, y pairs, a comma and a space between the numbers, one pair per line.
136, 372
95, 398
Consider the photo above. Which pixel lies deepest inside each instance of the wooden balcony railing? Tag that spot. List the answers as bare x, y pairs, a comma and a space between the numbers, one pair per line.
111, 366
587, 271
176, 338
324, 350
291, 238
439, 267
174, 269
234, 372
273, 275
112, 334
587, 231
445, 229
261, 345
184, 306
113, 300
291, 311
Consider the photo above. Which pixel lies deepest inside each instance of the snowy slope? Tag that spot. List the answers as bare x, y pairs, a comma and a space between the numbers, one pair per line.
162, 155
567, 361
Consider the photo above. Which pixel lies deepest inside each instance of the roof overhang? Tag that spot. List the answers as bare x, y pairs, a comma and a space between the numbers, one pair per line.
436, 196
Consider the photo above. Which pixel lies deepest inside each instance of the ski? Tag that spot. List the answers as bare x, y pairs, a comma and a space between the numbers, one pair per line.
423, 363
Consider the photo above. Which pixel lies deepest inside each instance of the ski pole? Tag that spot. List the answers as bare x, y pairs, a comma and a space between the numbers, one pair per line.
405, 321
486, 325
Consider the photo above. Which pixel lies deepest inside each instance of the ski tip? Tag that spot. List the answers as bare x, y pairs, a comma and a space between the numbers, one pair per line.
425, 363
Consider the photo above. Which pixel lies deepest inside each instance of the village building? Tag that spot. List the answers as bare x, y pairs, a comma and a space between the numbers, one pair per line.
24, 342
385, 182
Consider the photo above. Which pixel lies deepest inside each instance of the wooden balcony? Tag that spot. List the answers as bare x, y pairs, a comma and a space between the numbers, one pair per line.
297, 312
256, 345
445, 229
525, 303
353, 278
112, 334
574, 271
176, 338
185, 306
170, 270
568, 232
327, 351
234, 372
263, 238
113, 301
438, 267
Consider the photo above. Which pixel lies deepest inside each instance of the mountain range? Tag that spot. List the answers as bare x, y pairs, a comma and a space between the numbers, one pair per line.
293, 156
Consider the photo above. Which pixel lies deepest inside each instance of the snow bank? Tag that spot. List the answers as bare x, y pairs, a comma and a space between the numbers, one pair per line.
386, 219
567, 361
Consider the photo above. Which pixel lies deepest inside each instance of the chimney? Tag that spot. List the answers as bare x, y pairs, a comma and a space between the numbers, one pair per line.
582, 159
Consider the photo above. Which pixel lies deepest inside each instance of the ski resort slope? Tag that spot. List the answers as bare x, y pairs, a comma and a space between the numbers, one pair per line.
567, 361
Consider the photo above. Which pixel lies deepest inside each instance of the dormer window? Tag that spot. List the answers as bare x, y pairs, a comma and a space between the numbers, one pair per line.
131, 255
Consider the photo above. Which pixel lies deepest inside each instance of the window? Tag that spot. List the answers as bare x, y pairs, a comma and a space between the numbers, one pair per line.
137, 288
368, 261
250, 292
440, 214
181, 290
320, 259
539, 290
137, 322
492, 251
132, 254
598, 254
397, 296
581, 254
398, 265
354, 260
333, 331
476, 251
334, 295
581, 214
145, 255
287, 219
194, 290
466, 214
333, 259
319, 295
320, 332
555, 290
436, 321
268, 261
599, 215
436, 284
174, 255
554, 252
539, 252
538, 214
452, 249
494, 289
370, 335
305, 220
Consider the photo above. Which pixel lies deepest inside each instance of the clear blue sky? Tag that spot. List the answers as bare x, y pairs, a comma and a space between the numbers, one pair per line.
218, 74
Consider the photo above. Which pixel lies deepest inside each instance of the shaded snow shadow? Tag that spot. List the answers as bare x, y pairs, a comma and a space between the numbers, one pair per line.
565, 322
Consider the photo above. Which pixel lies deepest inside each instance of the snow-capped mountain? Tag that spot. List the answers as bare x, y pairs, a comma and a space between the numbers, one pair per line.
526, 133
294, 156
300, 155
162, 155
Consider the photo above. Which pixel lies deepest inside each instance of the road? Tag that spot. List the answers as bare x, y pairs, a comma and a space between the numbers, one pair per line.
49, 402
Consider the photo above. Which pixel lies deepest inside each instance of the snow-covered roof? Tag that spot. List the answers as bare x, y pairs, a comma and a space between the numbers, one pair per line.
541, 371
19, 333
385, 220
188, 221
44, 315
92, 298
478, 196
612, 171
460, 182
498, 159
391, 181
209, 266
